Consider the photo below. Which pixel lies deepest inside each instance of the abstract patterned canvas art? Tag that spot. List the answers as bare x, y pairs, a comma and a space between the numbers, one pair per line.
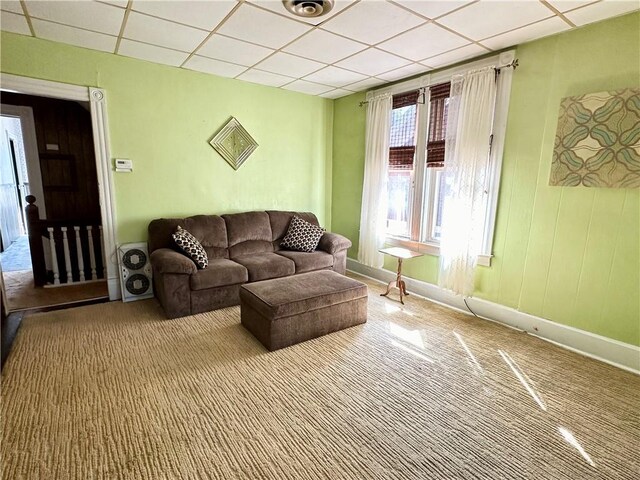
597, 142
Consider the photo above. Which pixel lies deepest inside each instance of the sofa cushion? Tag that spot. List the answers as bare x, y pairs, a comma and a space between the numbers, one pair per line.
209, 230
308, 262
280, 221
191, 247
220, 273
262, 266
248, 233
301, 236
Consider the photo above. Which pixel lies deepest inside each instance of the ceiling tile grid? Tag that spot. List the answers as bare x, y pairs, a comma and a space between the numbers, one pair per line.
151, 53
423, 42
231, 50
144, 28
11, 6
74, 36
14, 23
216, 67
95, 16
255, 25
199, 14
358, 45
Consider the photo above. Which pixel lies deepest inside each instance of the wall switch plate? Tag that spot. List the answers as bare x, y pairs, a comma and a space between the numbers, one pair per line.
123, 165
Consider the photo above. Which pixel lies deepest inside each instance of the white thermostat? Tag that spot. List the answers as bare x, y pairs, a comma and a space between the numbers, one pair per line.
124, 165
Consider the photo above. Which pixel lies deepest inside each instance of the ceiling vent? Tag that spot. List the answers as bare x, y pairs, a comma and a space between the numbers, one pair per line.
308, 8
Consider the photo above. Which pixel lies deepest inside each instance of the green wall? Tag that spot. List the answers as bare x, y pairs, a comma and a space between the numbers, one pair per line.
570, 255
162, 118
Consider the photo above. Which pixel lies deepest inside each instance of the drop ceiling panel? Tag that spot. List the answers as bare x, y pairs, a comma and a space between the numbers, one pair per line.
14, 23
206, 15
334, 76
432, 9
11, 6
324, 46
364, 84
151, 53
487, 19
422, 42
276, 6
95, 16
601, 10
526, 34
337, 93
117, 3
310, 88
265, 78
290, 65
372, 22
234, 51
74, 36
154, 31
403, 72
216, 67
264, 28
565, 5
455, 56
372, 62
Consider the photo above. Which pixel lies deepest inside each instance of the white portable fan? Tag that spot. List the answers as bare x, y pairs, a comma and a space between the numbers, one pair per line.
135, 272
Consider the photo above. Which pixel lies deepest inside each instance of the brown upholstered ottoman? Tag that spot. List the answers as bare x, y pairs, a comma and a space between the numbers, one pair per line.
285, 311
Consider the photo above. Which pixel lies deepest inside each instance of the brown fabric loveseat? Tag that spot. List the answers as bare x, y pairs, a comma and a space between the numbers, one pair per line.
242, 247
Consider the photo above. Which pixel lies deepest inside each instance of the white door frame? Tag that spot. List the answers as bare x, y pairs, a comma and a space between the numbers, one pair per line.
100, 124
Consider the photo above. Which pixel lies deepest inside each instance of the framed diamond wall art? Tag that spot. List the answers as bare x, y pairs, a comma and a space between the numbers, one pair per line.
233, 143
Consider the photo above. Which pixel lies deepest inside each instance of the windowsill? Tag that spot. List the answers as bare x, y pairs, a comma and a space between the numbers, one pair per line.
430, 249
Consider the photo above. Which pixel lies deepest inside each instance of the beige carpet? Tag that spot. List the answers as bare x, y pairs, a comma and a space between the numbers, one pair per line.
21, 294
419, 392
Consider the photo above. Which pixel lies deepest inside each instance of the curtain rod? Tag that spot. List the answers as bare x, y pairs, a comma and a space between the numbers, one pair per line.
513, 64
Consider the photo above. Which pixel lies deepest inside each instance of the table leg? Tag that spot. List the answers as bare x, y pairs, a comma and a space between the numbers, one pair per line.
388, 289
399, 281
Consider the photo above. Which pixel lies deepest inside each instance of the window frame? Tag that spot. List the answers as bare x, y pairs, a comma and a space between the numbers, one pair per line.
424, 185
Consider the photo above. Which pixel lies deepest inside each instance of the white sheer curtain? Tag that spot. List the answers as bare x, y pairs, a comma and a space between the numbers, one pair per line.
471, 108
373, 215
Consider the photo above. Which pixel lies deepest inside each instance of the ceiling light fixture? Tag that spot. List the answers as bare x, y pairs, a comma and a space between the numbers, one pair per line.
308, 8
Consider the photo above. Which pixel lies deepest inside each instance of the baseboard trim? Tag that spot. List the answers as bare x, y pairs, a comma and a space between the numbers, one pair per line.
613, 352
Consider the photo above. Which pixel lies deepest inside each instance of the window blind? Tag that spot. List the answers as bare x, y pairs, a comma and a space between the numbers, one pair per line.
402, 144
439, 103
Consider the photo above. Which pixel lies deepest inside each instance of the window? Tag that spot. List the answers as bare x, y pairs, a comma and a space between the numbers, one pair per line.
416, 213
402, 149
416, 185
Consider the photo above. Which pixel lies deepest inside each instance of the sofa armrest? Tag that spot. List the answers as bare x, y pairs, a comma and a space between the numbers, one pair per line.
333, 243
165, 260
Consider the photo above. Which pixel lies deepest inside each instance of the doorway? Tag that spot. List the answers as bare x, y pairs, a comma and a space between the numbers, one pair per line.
52, 248
99, 119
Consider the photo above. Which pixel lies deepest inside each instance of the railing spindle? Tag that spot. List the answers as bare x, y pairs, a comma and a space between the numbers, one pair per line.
79, 251
54, 257
67, 256
92, 254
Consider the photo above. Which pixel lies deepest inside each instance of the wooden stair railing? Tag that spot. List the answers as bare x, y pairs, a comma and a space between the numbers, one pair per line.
63, 252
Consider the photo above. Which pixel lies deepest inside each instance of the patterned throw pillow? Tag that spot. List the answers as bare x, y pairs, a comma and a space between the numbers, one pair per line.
302, 236
191, 246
